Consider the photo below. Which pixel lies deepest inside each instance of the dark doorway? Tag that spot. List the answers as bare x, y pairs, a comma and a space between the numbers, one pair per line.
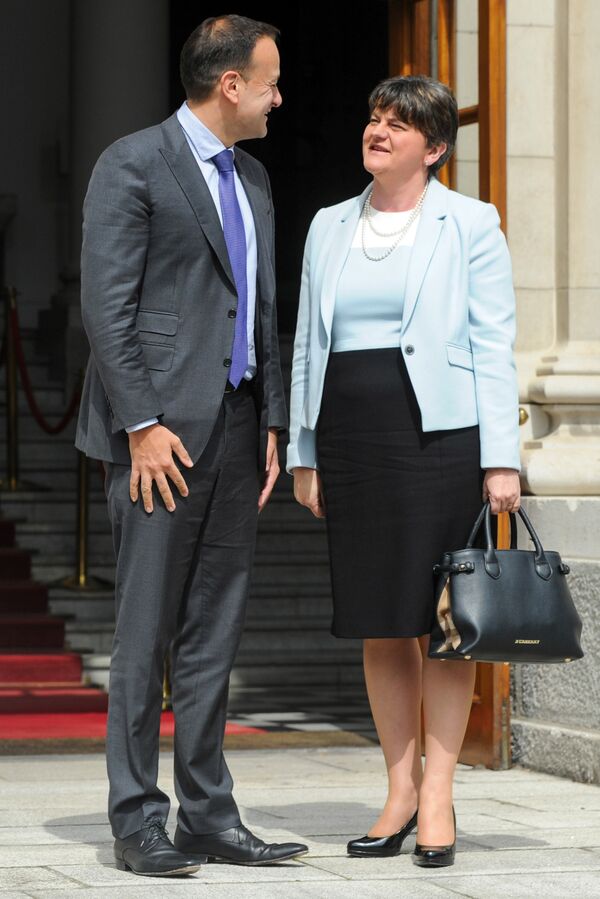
332, 55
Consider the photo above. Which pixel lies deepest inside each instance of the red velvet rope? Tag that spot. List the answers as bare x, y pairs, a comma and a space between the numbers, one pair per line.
26, 382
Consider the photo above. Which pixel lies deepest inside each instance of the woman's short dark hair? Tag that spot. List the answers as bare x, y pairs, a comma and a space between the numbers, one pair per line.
426, 104
217, 45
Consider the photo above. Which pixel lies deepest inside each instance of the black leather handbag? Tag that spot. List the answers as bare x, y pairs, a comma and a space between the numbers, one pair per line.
511, 605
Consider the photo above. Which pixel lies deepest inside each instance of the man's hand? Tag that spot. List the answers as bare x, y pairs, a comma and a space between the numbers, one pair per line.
501, 486
152, 460
308, 490
271, 470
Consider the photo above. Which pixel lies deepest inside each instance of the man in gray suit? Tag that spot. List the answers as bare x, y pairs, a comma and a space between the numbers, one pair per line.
184, 390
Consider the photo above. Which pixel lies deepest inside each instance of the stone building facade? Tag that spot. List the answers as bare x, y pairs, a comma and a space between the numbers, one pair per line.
76, 75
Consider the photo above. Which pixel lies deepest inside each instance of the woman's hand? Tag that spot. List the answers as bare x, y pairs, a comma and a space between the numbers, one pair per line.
308, 491
501, 486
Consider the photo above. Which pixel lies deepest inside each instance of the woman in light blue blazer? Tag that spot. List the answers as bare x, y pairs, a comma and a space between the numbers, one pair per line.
404, 412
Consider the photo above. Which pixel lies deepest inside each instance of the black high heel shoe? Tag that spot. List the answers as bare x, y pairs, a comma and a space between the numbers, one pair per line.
435, 856
381, 847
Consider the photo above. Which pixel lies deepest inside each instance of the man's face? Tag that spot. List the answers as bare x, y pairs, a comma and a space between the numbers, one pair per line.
259, 93
393, 148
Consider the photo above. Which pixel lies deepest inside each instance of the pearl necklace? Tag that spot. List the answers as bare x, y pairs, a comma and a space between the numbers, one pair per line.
402, 232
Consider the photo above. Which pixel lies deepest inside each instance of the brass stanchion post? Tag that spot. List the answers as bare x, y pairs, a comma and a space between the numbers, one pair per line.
83, 486
81, 580
166, 701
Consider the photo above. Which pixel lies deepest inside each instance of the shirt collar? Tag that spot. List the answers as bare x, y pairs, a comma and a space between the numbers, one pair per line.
206, 144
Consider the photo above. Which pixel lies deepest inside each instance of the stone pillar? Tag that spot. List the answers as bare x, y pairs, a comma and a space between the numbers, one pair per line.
553, 186
564, 379
119, 84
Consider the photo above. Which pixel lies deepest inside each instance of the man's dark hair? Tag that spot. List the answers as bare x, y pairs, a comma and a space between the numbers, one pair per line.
217, 45
426, 104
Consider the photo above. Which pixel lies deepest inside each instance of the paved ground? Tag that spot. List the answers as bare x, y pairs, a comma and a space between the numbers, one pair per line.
521, 834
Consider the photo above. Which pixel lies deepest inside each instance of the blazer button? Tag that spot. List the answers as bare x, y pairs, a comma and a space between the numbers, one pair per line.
227, 363
232, 313
409, 349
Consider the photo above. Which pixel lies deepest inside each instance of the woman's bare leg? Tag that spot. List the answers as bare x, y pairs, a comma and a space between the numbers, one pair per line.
447, 697
393, 678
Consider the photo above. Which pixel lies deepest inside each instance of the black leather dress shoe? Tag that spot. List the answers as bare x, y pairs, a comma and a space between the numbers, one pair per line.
236, 846
381, 847
435, 856
150, 852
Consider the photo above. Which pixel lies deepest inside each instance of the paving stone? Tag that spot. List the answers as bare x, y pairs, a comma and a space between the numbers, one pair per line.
519, 833
584, 884
321, 889
100, 875
63, 854
499, 863
537, 838
31, 878
54, 835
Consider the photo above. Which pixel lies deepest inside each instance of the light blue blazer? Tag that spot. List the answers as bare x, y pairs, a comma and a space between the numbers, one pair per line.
457, 331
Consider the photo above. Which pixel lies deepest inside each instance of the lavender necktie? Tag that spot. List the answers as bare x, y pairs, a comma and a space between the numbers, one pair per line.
235, 238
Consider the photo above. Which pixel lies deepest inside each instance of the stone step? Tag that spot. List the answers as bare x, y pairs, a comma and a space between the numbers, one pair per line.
51, 573
310, 553
30, 430
60, 544
58, 508
266, 574
38, 372
268, 611
339, 667
313, 637
44, 454
50, 399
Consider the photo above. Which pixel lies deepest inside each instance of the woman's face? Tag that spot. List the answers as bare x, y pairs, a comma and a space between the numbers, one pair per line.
393, 148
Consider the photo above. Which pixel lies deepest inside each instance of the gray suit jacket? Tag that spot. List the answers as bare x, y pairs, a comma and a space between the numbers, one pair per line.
156, 293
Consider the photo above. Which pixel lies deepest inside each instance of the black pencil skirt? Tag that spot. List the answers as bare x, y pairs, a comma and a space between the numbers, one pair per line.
396, 498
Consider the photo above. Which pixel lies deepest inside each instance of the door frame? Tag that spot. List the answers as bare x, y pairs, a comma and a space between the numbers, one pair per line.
412, 51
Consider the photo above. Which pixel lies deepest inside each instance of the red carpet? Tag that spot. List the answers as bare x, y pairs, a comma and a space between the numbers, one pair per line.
37, 674
53, 698
40, 667
81, 726
15, 564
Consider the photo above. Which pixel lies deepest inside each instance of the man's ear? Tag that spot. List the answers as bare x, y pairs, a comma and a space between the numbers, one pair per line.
230, 86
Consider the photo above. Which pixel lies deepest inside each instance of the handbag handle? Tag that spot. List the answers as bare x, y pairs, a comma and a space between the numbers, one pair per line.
492, 566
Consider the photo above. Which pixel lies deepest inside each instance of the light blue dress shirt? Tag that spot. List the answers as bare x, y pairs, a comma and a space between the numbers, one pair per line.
204, 145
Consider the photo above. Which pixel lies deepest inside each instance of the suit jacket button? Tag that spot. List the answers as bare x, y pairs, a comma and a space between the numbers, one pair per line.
409, 350
227, 363
232, 313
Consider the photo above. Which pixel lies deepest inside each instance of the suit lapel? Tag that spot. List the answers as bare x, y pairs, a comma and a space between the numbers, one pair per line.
336, 252
189, 177
428, 234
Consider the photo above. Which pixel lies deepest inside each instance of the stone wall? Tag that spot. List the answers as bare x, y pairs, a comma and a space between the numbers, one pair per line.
553, 47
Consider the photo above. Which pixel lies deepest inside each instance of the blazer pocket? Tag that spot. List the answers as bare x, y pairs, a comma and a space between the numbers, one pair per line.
157, 322
158, 356
459, 355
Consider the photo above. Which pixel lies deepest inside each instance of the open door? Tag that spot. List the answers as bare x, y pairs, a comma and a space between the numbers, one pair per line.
424, 35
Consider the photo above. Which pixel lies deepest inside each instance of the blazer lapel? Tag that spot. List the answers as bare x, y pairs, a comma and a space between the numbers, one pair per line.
336, 252
189, 177
428, 234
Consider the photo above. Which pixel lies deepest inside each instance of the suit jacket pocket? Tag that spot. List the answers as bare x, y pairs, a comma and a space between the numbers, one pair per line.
158, 356
157, 322
459, 355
